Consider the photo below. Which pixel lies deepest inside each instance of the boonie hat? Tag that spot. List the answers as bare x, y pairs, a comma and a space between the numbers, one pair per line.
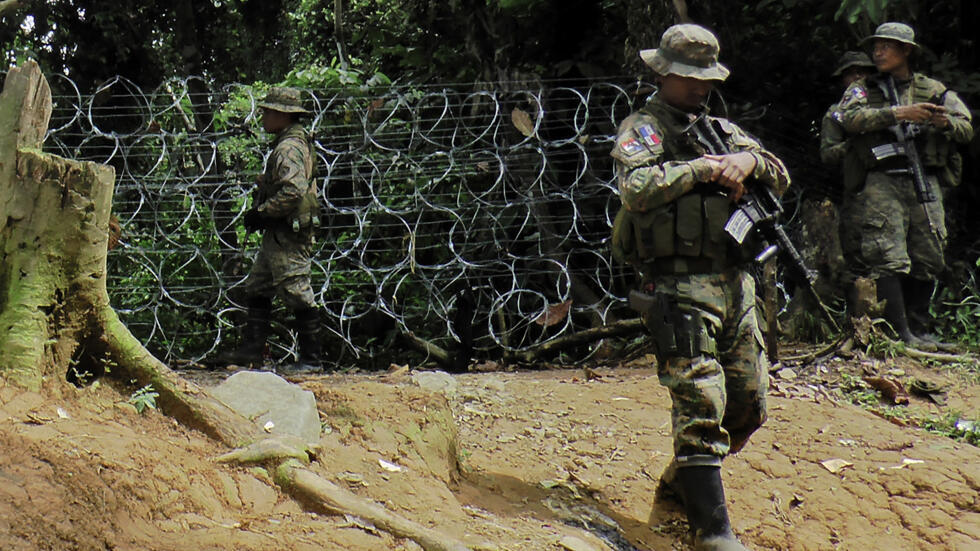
893, 31
285, 100
689, 51
852, 59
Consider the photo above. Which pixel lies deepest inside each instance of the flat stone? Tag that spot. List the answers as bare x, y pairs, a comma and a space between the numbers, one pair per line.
272, 402
436, 381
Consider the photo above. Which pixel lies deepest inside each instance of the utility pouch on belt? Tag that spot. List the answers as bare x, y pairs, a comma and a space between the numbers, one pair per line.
677, 332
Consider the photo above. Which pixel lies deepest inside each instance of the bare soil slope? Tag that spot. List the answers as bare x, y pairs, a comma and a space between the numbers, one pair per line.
547, 460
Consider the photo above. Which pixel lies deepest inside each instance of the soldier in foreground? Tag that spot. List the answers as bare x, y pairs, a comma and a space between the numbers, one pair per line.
903, 128
697, 298
284, 208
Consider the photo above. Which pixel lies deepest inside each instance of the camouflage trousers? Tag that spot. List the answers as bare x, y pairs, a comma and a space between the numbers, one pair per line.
282, 268
719, 395
884, 229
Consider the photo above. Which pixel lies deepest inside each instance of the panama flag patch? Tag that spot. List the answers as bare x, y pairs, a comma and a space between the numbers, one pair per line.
631, 146
859, 93
649, 135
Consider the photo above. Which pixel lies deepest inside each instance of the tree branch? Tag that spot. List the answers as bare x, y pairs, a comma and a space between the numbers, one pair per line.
538, 352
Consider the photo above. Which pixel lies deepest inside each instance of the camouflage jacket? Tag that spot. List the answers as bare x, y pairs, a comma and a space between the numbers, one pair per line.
867, 115
286, 190
658, 160
833, 142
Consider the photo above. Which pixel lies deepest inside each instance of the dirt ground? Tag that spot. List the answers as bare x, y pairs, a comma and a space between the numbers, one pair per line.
563, 459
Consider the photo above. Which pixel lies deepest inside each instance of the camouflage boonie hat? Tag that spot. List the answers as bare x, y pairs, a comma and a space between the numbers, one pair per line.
284, 100
689, 51
893, 31
853, 59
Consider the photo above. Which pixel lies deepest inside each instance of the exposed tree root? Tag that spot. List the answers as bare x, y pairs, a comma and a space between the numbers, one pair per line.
292, 457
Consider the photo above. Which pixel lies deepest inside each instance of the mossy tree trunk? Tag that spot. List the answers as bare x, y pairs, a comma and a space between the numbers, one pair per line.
55, 314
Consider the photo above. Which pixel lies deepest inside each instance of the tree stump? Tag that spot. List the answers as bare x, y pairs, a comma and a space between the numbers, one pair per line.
55, 315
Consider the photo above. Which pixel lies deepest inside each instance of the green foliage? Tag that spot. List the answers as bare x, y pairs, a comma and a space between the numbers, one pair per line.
951, 424
958, 312
144, 398
852, 10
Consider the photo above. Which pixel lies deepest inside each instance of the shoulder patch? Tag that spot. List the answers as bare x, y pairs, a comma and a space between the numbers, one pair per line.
650, 136
837, 116
854, 95
630, 145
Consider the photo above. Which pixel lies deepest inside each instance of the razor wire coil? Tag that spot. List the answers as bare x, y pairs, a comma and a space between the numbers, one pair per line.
440, 211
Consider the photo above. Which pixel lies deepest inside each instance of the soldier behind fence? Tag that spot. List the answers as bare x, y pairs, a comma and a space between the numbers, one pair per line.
697, 298
285, 209
893, 228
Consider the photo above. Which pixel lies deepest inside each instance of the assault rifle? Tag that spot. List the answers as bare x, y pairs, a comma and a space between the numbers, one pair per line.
759, 209
906, 132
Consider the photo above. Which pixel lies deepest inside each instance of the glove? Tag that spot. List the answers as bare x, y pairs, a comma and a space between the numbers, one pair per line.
253, 221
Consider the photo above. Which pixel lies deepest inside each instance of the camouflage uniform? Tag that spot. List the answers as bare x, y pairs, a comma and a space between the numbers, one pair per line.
285, 207
883, 226
696, 298
832, 137
671, 228
286, 198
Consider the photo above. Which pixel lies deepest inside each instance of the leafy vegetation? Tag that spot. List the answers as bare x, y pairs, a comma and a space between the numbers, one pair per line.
144, 398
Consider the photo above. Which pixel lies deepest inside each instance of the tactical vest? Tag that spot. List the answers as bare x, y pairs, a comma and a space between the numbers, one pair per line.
934, 148
684, 236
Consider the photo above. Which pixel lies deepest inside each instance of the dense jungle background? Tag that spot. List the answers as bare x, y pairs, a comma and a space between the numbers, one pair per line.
210, 60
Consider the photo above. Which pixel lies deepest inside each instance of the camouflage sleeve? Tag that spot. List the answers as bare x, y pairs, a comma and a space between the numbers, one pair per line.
960, 127
768, 168
832, 143
288, 165
645, 180
857, 117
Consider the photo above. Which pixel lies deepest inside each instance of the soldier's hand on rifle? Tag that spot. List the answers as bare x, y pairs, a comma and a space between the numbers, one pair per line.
917, 112
939, 117
253, 221
731, 171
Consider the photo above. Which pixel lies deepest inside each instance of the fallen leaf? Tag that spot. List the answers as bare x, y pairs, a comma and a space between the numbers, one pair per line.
391, 467
363, 524
353, 478
522, 122
906, 462
591, 374
836, 465
892, 390
554, 313
786, 373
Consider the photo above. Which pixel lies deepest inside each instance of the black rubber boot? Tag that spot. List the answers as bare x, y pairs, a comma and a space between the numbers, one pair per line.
308, 339
890, 291
918, 294
254, 335
707, 513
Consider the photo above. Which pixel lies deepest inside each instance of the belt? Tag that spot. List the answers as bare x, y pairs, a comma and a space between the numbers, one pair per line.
684, 265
